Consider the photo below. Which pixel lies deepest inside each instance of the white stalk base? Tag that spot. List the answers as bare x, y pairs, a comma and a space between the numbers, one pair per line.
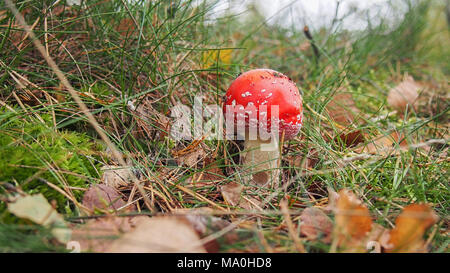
259, 165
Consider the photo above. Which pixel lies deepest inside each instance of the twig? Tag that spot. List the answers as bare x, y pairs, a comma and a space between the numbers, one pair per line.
298, 243
313, 43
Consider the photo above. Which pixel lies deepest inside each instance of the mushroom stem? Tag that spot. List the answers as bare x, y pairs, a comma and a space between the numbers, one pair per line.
261, 164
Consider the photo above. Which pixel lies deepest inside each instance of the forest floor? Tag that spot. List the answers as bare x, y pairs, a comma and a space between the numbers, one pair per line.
368, 171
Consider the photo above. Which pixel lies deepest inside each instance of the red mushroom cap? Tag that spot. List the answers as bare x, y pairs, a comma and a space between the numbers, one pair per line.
268, 87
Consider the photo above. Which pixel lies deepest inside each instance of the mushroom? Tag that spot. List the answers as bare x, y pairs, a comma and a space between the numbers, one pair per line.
264, 105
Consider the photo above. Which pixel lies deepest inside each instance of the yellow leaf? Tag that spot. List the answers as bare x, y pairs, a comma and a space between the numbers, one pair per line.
211, 57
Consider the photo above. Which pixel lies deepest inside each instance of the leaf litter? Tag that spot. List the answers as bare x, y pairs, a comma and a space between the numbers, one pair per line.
350, 228
37, 209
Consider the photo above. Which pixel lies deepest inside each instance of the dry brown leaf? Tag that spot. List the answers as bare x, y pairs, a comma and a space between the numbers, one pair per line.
343, 111
405, 93
201, 220
250, 203
205, 225
103, 197
231, 193
332, 199
151, 123
351, 138
115, 176
210, 176
410, 227
305, 46
355, 232
385, 145
191, 158
315, 224
299, 160
97, 235
352, 222
126, 27
159, 234
372, 241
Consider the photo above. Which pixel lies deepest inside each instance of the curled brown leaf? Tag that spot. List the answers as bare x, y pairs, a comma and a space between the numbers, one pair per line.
410, 227
404, 94
315, 224
353, 222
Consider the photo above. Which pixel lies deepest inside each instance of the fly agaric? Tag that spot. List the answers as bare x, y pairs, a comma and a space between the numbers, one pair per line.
268, 103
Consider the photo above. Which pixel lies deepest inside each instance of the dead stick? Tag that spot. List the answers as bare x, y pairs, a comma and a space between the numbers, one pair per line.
313, 43
287, 218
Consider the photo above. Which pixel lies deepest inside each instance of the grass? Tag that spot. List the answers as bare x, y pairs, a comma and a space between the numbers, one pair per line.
160, 53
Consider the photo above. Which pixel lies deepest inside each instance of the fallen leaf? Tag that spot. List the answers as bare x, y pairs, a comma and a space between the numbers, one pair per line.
97, 235
250, 203
315, 224
212, 57
405, 93
305, 46
351, 138
354, 230
342, 108
352, 222
385, 145
343, 111
201, 219
37, 209
159, 234
209, 176
231, 193
150, 123
103, 197
205, 225
410, 227
115, 177
372, 241
299, 161
192, 158
332, 199
126, 27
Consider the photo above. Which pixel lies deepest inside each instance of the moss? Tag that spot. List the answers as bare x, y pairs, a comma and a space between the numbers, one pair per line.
33, 152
